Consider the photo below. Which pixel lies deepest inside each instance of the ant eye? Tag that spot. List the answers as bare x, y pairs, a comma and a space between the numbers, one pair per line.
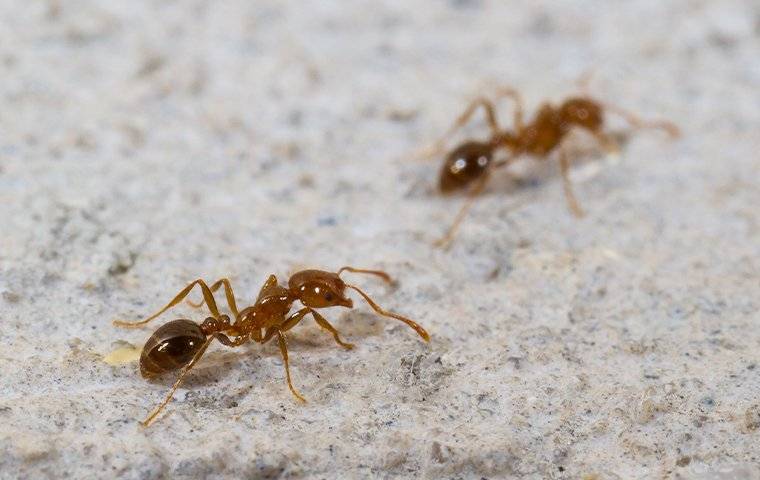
329, 297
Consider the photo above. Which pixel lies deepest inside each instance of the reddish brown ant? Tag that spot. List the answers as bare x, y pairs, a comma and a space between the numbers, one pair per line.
470, 163
181, 343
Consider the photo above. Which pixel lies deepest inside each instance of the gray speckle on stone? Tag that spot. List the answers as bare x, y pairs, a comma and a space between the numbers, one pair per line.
146, 144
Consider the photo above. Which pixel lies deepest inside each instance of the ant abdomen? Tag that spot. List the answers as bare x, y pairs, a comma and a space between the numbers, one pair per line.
171, 347
464, 164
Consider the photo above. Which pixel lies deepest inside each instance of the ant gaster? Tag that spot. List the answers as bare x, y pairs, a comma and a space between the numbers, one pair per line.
470, 163
179, 344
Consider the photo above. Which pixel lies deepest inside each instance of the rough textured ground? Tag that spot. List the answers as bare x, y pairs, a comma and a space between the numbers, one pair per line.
145, 144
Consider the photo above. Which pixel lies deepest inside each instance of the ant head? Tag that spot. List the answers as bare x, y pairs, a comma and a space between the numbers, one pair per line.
464, 164
319, 289
583, 112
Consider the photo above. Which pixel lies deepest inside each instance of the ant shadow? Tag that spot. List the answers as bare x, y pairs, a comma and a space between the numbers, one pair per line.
216, 365
353, 326
530, 172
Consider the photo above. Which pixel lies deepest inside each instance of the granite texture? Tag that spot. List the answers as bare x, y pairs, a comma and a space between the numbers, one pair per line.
145, 144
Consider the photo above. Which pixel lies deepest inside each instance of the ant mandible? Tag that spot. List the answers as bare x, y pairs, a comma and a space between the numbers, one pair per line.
470, 163
179, 344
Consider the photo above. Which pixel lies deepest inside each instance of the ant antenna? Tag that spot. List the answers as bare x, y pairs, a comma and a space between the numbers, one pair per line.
378, 273
637, 122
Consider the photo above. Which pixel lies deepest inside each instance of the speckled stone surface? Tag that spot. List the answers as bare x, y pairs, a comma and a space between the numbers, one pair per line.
145, 144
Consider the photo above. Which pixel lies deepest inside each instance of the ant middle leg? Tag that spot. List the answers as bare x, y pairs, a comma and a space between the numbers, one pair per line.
282, 340
322, 322
228, 292
280, 330
572, 202
208, 296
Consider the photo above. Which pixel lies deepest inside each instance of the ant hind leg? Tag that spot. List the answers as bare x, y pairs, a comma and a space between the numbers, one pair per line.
514, 95
445, 241
438, 146
177, 383
228, 292
208, 296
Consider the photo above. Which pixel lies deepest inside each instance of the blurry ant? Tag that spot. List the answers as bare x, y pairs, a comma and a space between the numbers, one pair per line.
472, 161
181, 343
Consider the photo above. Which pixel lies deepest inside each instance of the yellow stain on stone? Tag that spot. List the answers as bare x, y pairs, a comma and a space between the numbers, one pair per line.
125, 353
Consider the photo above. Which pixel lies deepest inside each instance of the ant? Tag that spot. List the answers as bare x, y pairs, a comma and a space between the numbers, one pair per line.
471, 163
179, 344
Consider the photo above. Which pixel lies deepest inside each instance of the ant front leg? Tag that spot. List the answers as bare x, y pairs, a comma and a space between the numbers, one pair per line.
637, 122
227, 292
610, 146
207, 296
322, 322
414, 325
293, 319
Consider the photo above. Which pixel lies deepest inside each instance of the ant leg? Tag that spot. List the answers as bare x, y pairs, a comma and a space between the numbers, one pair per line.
322, 322
417, 328
608, 143
445, 241
508, 92
178, 382
257, 335
564, 163
293, 319
637, 122
271, 281
227, 292
437, 147
284, 351
207, 296
584, 81
387, 278
235, 342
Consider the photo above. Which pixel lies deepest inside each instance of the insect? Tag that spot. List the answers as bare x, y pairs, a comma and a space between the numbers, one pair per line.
179, 344
470, 164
